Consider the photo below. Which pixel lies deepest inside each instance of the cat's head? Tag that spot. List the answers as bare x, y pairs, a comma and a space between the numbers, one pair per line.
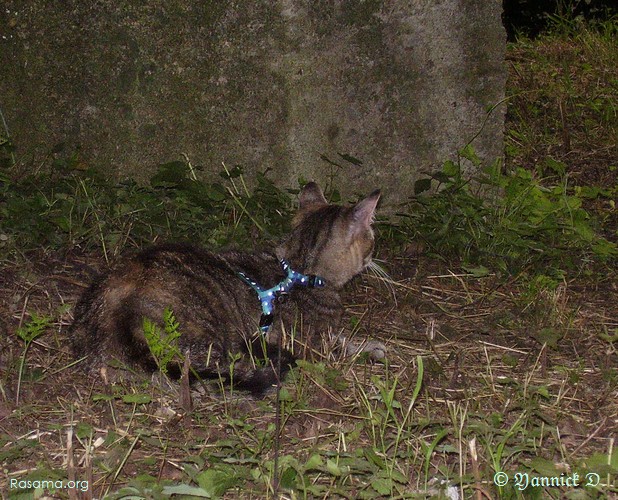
331, 241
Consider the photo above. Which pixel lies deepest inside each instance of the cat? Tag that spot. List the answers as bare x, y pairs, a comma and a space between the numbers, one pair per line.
215, 304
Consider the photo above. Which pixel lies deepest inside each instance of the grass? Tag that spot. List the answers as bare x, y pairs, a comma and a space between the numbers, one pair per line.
67, 207
352, 428
564, 112
501, 335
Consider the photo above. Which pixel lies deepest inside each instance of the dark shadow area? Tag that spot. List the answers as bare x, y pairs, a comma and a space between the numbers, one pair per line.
532, 17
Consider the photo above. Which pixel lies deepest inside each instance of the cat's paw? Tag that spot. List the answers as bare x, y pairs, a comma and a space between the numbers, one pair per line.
374, 349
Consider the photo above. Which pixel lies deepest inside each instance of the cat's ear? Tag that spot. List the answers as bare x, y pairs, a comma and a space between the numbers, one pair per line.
311, 197
364, 211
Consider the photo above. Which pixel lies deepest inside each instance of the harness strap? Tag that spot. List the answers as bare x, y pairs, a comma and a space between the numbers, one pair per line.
278, 292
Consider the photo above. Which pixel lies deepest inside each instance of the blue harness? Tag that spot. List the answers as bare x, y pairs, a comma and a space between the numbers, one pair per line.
278, 292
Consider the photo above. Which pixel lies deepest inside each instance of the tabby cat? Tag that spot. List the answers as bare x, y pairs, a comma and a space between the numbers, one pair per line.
217, 309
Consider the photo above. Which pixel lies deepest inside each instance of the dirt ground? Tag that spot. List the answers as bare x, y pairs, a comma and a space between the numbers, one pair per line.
490, 350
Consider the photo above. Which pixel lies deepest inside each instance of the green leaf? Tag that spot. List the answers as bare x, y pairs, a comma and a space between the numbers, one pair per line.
591, 192
232, 173
604, 248
584, 231
136, 398
63, 222
33, 328
469, 154
288, 478
510, 360
542, 391
185, 489
373, 457
102, 397
314, 462
477, 272
422, 185
557, 166
215, 191
598, 463
170, 174
285, 395
333, 468
18, 449
217, 481
441, 177
571, 202
329, 161
351, 159
610, 337
450, 168
543, 466
400, 477
549, 336
83, 430
383, 485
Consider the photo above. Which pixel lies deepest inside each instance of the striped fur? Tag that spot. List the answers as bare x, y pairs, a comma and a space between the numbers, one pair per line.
217, 312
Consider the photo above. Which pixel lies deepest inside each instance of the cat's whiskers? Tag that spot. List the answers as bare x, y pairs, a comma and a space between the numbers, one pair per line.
378, 272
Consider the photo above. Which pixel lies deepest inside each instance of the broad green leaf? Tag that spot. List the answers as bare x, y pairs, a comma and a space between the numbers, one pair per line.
83, 430
549, 336
477, 272
232, 173
333, 468
401, 478
217, 481
138, 398
185, 489
288, 477
599, 463
450, 168
373, 457
215, 191
384, 486
605, 248
469, 154
315, 462
422, 185
102, 397
556, 166
441, 177
170, 174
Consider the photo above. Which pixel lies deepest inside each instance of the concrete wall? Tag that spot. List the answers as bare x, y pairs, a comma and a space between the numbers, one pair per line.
280, 84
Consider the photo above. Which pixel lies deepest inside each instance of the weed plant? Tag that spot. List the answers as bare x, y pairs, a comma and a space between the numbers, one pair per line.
29, 332
524, 223
507, 222
66, 207
163, 344
562, 117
